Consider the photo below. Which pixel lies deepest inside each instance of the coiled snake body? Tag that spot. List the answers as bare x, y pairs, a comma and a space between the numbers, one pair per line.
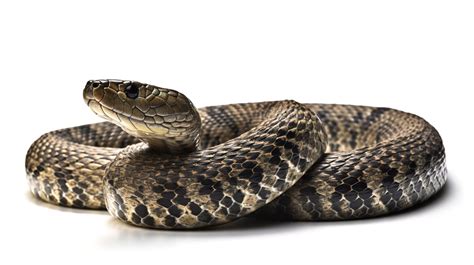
161, 163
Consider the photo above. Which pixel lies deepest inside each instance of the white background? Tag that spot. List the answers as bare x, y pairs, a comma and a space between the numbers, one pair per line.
417, 56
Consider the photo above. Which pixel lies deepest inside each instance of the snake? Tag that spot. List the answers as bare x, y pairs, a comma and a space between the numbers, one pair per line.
159, 162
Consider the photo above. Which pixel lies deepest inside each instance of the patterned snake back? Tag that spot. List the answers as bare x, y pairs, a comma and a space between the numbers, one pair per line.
282, 160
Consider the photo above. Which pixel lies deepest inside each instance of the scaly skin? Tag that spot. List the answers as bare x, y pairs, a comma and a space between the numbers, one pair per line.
250, 156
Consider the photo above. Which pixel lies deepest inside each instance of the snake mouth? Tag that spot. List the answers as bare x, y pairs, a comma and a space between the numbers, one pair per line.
148, 126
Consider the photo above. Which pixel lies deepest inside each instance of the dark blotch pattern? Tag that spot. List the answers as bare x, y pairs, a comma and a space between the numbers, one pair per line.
370, 169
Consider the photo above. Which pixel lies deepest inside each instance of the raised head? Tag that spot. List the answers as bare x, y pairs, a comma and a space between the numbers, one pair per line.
165, 119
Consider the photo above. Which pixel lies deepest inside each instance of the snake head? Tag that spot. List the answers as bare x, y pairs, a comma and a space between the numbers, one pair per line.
165, 119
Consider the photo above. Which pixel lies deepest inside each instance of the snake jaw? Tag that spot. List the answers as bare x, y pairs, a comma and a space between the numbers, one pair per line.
163, 118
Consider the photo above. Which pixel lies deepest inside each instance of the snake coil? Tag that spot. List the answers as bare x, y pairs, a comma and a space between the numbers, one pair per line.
159, 162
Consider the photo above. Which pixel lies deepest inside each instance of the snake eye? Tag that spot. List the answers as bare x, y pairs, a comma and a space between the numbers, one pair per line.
131, 90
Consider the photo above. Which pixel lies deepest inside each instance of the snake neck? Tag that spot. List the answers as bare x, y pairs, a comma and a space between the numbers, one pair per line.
173, 145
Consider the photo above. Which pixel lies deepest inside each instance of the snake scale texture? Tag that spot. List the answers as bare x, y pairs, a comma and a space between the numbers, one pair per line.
161, 163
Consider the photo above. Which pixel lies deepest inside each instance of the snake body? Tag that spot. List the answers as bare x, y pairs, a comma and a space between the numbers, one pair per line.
161, 163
